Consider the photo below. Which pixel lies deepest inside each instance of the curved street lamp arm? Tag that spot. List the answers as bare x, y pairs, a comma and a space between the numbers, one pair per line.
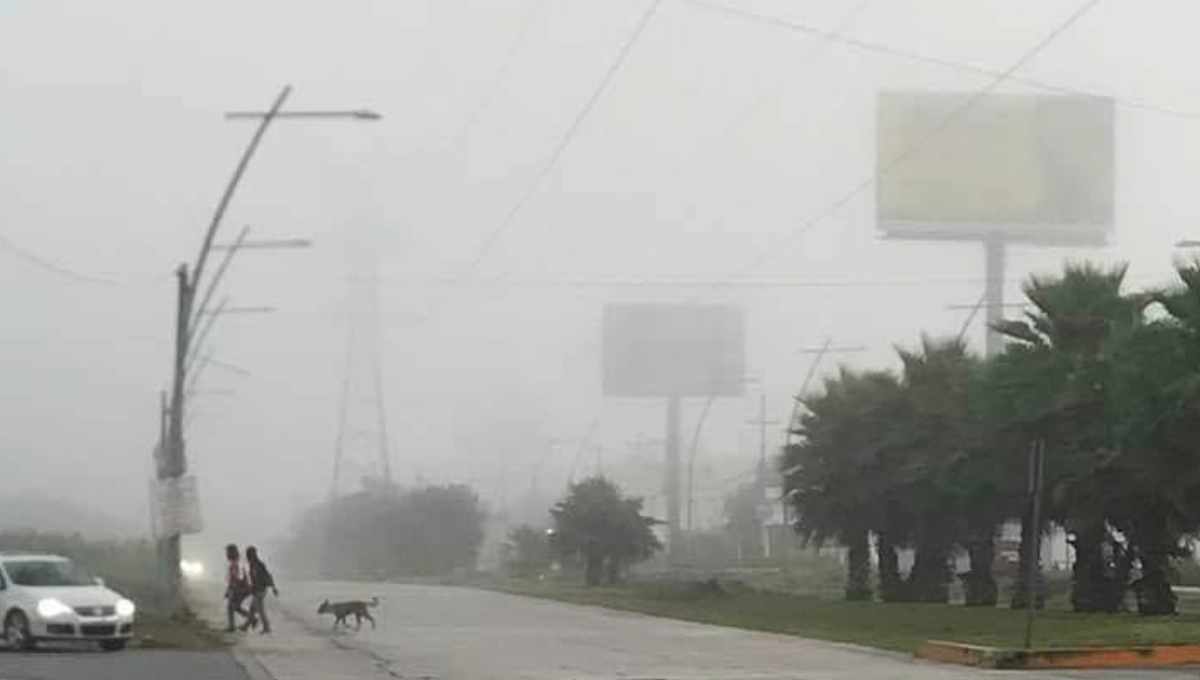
808, 378
202, 335
216, 281
231, 187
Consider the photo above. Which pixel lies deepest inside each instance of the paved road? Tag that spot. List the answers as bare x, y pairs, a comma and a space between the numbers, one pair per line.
131, 665
457, 634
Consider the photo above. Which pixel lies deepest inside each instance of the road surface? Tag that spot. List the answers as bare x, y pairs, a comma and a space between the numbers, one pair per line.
131, 665
460, 634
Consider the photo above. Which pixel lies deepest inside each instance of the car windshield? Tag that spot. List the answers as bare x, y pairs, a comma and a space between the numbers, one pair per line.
47, 573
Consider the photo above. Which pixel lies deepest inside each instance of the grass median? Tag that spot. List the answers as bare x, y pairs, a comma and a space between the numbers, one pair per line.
894, 627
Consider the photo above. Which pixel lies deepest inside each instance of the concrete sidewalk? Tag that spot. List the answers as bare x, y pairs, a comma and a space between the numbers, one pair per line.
293, 650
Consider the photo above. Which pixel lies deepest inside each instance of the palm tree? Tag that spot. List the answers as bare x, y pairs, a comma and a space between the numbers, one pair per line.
1156, 404
939, 438
834, 475
1061, 377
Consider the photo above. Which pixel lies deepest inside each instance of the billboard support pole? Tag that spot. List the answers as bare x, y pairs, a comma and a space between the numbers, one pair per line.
671, 483
994, 247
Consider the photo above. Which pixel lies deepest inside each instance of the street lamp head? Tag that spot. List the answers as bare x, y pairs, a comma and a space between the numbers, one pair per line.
266, 244
346, 114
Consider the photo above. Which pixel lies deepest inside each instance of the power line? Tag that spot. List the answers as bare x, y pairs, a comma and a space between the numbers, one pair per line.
832, 37
501, 74
44, 264
493, 237
899, 159
586, 283
836, 36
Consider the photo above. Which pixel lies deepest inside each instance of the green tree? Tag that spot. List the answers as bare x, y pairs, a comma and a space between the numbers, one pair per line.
603, 528
383, 531
937, 435
527, 551
1156, 395
1063, 379
837, 476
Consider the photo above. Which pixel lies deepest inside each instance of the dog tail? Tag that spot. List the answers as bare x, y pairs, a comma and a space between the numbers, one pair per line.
374, 602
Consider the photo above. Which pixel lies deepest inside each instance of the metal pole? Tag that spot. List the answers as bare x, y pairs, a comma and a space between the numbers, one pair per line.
201, 334
221, 269
762, 470
236, 178
175, 460
174, 457
1037, 474
671, 483
691, 471
962, 332
994, 252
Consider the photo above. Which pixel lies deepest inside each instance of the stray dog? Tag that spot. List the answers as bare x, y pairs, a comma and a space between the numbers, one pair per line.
344, 610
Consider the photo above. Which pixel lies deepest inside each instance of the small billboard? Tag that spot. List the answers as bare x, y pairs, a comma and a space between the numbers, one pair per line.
176, 506
658, 350
1027, 168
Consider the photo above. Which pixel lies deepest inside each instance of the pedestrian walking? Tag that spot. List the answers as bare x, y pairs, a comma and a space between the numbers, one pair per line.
261, 581
237, 587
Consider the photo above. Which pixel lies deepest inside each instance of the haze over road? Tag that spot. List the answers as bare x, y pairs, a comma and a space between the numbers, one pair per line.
460, 634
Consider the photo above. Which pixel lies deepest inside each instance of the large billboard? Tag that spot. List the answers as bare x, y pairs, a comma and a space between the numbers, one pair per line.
1027, 168
673, 350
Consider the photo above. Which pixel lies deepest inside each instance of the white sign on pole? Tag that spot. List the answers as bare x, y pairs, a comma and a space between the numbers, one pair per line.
176, 506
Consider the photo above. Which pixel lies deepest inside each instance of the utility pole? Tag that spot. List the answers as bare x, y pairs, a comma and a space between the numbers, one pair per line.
994, 249
671, 481
1036, 484
760, 484
171, 460
175, 459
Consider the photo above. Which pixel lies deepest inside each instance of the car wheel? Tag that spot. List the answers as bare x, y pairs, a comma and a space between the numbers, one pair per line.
113, 645
16, 631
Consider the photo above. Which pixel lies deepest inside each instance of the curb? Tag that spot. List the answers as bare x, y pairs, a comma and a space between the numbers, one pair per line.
979, 656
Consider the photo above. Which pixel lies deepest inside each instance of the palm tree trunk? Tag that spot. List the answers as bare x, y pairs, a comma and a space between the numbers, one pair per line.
1090, 575
891, 585
1156, 546
613, 577
979, 583
593, 567
930, 578
1021, 596
858, 567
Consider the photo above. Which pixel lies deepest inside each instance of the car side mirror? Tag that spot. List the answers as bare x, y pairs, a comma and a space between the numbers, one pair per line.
99, 581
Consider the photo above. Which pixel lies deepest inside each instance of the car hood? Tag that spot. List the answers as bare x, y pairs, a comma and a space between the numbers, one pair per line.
79, 596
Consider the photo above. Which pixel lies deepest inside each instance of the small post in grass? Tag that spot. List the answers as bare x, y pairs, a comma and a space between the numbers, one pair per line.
1037, 480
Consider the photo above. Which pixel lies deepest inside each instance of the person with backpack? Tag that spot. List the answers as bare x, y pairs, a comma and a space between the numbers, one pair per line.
261, 581
237, 587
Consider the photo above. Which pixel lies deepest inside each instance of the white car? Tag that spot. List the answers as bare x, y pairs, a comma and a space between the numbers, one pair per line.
50, 598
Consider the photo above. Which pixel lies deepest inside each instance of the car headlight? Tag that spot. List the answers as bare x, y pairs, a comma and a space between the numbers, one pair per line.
125, 608
191, 569
52, 609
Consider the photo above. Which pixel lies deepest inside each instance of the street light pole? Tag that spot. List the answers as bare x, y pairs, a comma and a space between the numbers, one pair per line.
173, 461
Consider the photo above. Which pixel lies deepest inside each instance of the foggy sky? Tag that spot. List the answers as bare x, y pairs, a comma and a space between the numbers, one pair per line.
113, 152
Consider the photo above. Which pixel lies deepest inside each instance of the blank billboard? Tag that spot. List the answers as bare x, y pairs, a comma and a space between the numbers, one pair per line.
1034, 168
673, 350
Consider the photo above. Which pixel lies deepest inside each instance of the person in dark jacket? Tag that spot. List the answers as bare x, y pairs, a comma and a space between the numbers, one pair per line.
261, 581
237, 588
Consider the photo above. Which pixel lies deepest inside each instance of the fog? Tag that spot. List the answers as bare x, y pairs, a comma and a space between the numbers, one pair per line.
719, 165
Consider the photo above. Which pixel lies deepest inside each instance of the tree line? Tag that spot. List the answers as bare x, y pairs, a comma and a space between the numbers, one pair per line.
383, 531
933, 457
